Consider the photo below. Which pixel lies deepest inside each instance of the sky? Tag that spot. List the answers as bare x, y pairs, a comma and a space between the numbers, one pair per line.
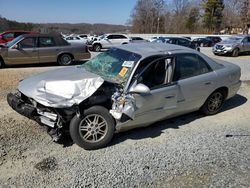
67, 11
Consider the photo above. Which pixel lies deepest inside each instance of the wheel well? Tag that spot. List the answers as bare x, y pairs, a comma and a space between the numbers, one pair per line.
224, 90
2, 61
99, 44
65, 53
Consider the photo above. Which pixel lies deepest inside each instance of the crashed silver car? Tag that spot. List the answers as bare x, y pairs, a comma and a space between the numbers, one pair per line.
125, 87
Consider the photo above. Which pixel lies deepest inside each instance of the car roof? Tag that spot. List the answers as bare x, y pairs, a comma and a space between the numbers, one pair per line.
41, 35
149, 49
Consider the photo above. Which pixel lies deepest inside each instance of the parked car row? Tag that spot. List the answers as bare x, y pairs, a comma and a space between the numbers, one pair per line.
41, 48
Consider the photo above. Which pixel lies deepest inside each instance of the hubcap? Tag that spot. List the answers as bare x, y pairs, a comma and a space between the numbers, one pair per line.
93, 128
66, 59
215, 102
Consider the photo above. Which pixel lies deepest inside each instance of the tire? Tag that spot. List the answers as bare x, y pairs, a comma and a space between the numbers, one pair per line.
213, 103
94, 129
235, 52
97, 47
2, 65
65, 59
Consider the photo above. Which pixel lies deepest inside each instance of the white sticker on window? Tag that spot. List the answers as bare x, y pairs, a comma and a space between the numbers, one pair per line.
128, 64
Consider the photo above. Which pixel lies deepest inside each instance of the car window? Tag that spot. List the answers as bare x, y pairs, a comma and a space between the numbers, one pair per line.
110, 37
121, 37
248, 39
18, 34
189, 65
245, 40
183, 42
46, 42
8, 35
155, 75
29, 42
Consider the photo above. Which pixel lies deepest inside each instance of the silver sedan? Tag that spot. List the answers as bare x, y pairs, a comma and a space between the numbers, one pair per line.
130, 86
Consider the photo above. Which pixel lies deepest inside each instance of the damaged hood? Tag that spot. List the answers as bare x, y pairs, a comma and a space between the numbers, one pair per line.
61, 87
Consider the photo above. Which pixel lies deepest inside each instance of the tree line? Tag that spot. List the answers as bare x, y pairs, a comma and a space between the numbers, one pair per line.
190, 16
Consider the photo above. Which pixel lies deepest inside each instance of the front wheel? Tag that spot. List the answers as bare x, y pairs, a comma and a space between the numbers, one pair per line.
94, 129
65, 59
214, 103
235, 52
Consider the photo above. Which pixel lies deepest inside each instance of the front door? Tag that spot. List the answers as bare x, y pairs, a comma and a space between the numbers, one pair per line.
162, 100
25, 53
246, 44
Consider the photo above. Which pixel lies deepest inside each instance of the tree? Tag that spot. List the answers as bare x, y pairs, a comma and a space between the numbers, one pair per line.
245, 16
193, 19
213, 14
147, 15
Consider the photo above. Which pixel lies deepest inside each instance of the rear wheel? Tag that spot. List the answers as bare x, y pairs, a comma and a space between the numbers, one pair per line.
2, 63
235, 52
94, 130
65, 59
214, 103
97, 48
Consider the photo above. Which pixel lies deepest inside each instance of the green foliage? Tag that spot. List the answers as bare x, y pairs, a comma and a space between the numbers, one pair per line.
9, 25
213, 14
193, 19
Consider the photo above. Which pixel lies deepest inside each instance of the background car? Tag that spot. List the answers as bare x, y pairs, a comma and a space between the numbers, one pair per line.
203, 42
8, 36
177, 41
38, 48
109, 40
233, 45
137, 39
76, 39
214, 39
125, 87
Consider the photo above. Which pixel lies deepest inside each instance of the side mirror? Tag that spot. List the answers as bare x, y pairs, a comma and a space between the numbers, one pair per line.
15, 47
140, 88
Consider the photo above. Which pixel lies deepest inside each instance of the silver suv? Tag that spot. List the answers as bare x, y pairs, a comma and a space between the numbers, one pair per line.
233, 45
109, 40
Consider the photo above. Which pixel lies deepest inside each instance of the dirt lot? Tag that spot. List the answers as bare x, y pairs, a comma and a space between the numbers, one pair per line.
188, 151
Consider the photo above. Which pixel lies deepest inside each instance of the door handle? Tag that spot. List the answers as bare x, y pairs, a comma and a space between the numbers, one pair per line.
208, 83
170, 97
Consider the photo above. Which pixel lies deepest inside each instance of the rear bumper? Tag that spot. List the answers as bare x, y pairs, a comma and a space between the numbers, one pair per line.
21, 107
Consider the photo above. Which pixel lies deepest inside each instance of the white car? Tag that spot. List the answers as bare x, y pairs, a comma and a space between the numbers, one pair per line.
109, 40
76, 39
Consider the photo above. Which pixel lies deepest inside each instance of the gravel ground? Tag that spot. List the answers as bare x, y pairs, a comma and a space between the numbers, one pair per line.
188, 151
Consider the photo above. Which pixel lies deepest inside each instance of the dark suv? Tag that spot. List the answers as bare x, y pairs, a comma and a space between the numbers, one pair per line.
178, 41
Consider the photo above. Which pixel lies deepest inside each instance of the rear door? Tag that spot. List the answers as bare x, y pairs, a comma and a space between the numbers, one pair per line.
48, 49
195, 79
26, 53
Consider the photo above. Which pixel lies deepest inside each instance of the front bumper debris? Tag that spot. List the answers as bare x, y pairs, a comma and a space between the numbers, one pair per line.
20, 106
41, 117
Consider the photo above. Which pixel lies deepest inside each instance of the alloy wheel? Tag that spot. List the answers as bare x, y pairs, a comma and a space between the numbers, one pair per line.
215, 102
93, 128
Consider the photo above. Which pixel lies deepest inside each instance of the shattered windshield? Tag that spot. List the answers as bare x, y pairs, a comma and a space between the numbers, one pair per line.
114, 65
